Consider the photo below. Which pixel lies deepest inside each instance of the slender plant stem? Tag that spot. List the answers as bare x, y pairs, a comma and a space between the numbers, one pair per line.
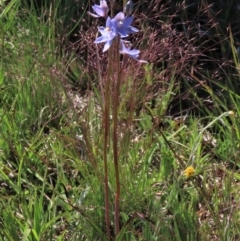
106, 144
106, 121
105, 151
115, 137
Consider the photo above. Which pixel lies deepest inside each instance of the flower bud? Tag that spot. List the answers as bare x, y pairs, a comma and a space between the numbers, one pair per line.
128, 8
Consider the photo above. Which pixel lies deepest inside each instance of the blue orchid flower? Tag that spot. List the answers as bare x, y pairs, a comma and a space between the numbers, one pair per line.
120, 25
123, 24
100, 10
134, 53
108, 34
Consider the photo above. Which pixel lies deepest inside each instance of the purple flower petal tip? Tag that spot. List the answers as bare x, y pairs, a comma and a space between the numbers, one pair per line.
101, 10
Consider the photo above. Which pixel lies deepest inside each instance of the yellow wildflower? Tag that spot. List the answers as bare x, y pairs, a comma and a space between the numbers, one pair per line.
189, 171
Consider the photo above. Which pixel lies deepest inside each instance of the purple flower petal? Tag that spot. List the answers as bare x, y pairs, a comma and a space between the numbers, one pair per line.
101, 39
108, 23
107, 45
127, 21
122, 32
101, 10
131, 29
134, 53
119, 17
98, 10
93, 15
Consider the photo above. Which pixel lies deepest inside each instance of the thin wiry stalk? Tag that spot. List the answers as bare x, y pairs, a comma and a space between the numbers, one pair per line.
105, 150
115, 136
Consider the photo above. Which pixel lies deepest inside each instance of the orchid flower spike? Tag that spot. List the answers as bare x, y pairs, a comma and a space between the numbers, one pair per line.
123, 25
134, 53
100, 10
108, 34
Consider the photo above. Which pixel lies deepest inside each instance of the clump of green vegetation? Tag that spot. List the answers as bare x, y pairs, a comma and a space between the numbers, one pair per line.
177, 124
